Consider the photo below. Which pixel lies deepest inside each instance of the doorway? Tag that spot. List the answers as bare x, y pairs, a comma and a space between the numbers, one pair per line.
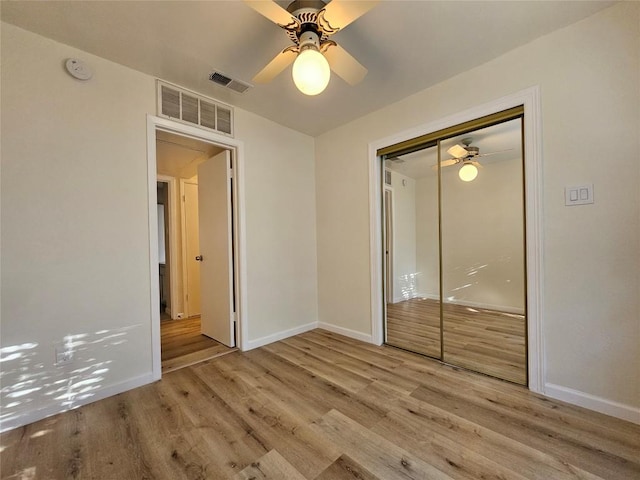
458, 263
193, 328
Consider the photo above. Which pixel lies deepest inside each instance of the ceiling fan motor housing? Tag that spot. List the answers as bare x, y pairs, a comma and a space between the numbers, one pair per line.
309, 39
306, 11
473, 151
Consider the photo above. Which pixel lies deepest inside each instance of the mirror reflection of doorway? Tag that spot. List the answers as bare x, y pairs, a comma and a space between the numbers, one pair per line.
458, 263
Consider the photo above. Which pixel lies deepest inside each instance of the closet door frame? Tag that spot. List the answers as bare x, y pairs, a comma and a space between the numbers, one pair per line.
529, 99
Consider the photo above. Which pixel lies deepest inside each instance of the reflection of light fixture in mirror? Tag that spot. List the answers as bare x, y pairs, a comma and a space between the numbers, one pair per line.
311, 70
468, 172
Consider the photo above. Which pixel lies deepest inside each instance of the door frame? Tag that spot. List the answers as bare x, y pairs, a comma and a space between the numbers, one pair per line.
532, 127
388, 244
172, 195
237, 154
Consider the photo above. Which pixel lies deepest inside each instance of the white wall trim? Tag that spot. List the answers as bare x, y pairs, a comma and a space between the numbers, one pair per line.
156, 123
49, 410
593, 402
376, 259
530, 98
173, 241
347, 332
154, 274
274, 337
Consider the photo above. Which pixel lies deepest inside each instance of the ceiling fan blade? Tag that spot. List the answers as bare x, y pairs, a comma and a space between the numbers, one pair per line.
458, 151
273, 12
446, 163
493, 153
275, 66
343, 64
476, 163
340, 13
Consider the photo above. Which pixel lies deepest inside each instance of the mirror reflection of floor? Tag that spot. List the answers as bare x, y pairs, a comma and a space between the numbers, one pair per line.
486, 341
182, 344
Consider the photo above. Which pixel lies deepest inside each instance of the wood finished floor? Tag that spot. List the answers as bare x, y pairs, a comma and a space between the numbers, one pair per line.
325, 407
485, 341
182, 344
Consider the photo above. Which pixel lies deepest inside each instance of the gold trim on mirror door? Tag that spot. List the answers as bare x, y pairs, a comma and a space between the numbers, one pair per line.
422, 141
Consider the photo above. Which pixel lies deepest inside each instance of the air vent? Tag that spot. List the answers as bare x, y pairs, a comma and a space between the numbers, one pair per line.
180, 104
220, 79
231, 83
387, 177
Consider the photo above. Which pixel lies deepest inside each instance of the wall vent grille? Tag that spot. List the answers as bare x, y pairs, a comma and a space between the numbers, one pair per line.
180, 104
387, 177
231, 83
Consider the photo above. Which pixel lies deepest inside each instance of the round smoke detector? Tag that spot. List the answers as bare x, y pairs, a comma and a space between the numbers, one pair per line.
78, 69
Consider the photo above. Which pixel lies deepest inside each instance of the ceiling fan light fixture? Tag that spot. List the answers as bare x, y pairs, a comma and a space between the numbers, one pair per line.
468, 172
311, 72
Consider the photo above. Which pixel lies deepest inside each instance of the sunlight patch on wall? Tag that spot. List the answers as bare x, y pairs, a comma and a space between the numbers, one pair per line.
30, 375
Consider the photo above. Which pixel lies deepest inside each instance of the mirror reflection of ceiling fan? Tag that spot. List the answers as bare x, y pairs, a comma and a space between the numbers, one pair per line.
309, 24
468, 156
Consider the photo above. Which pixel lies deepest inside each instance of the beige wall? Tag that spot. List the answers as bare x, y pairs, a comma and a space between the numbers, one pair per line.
588, 75
75, 239
281, 226
482, 237
404, 237
428, 236
482, 232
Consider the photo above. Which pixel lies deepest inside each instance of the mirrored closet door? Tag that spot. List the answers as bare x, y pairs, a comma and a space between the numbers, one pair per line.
412, 254
454, 248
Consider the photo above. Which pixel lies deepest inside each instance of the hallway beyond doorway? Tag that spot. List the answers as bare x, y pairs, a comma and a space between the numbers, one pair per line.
182, 344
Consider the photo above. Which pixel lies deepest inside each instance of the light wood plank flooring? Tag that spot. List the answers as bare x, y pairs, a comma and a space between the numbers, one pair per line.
415, 325
485, 341
325, 407
182, 344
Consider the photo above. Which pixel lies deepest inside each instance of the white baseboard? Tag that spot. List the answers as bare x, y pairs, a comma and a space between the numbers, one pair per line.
428, 296
259, 342
21, 419
364, 337
488, 306
592, 402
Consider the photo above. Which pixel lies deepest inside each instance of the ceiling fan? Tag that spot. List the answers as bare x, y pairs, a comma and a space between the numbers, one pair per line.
309, 24
468, 156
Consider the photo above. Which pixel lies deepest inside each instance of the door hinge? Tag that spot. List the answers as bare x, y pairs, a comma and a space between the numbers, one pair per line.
231, 173
184, 198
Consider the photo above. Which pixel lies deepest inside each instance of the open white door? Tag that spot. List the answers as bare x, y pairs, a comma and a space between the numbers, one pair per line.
216, 270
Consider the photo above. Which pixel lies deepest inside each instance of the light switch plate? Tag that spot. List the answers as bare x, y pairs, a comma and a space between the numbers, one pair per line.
578, 195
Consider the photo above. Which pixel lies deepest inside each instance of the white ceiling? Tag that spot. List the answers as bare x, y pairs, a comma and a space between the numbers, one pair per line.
406, 45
